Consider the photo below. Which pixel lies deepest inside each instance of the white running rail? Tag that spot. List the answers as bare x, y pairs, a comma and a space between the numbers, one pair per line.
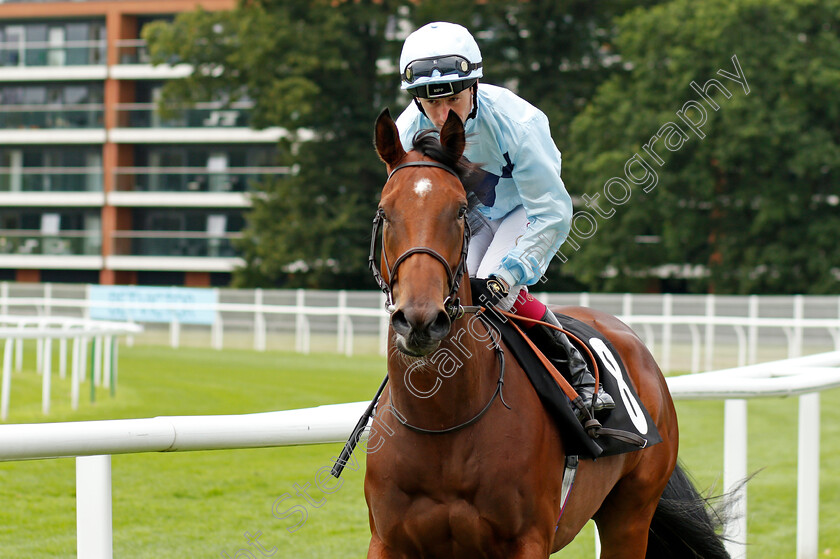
44, 329
707, 323
92, 442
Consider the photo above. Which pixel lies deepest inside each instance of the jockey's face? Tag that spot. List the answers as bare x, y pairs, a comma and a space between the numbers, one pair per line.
438, 109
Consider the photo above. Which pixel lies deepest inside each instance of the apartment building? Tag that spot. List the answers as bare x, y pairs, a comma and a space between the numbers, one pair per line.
95, 185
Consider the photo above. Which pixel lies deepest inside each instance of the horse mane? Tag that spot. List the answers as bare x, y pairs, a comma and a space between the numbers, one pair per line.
428, 143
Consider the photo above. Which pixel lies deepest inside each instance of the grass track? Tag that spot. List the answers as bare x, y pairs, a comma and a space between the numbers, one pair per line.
200, 504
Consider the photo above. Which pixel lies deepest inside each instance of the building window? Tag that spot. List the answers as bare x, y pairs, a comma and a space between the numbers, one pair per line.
57, 43
35, 231
51, 169
76, 105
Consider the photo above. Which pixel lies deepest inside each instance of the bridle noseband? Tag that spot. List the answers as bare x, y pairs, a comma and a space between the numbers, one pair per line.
452, 304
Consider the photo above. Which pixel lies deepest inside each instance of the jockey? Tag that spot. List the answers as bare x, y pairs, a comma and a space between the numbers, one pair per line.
520, 210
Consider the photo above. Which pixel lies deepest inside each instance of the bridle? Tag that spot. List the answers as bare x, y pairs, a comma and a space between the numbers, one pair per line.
452, 304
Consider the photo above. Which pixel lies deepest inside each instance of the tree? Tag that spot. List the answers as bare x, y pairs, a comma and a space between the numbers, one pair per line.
553, 54
750, 194
311, 68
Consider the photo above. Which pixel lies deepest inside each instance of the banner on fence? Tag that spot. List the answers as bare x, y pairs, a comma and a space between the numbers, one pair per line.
153, 304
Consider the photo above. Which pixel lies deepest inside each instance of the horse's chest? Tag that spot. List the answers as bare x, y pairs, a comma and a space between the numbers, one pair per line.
459, 509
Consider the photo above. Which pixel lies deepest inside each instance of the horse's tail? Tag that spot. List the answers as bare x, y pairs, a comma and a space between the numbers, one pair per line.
685, 525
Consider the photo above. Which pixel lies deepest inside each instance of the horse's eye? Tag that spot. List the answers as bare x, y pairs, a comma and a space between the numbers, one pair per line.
462, 211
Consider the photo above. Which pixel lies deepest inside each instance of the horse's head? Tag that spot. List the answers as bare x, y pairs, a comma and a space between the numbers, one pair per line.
424, 240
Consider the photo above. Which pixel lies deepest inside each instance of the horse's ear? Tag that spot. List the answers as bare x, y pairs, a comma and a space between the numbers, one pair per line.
387, 139
452, 135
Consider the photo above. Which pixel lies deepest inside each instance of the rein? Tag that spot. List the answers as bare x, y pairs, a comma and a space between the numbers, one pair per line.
452, 304
497, 393
356, 435
592, 426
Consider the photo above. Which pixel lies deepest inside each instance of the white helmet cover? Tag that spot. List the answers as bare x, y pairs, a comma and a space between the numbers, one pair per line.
440, 39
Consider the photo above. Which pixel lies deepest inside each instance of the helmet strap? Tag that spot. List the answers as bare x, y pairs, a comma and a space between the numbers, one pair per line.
474, 110
420, 106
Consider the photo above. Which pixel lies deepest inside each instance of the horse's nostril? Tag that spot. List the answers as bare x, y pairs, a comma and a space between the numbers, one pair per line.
400, 323
439, 328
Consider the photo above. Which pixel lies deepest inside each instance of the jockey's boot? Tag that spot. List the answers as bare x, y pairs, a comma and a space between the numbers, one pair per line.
568, 360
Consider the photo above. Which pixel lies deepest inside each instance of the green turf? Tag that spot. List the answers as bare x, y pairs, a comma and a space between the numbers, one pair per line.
201, 504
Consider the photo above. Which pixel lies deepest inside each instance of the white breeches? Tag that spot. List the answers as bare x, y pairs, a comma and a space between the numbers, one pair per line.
490, 244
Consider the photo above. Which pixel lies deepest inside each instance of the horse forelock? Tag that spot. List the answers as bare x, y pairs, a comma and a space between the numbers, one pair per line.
427, 142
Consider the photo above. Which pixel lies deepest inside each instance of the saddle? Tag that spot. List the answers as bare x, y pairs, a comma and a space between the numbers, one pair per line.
629, 415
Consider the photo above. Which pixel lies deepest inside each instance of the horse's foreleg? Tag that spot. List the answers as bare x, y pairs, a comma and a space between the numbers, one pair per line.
377, 550
531, 548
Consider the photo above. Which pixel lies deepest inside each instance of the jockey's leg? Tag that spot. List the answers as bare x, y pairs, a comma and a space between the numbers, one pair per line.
560, 350
488, 257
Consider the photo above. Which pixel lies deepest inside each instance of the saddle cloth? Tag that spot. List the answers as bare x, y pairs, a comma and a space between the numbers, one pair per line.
629, 413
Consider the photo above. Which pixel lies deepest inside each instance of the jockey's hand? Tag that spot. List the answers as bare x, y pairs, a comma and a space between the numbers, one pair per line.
498, 288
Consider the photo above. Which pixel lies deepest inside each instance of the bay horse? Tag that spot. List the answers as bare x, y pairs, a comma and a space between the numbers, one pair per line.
472, 466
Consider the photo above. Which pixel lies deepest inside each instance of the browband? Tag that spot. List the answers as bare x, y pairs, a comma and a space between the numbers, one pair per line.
424, 164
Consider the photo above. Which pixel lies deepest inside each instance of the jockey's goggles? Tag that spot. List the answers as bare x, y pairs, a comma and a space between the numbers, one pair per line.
450, 64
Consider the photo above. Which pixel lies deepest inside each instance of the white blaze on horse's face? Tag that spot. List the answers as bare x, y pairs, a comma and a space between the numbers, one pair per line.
422, 187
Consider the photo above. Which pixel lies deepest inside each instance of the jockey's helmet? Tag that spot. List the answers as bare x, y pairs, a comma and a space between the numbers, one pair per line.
438, 60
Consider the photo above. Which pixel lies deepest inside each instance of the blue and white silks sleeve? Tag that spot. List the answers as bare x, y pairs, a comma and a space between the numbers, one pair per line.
536, 172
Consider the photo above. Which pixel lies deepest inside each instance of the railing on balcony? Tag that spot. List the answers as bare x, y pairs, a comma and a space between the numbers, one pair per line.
69, 243
192, 179
133, 51
42, 53
201, 115
51, 179
53, 116
175, 243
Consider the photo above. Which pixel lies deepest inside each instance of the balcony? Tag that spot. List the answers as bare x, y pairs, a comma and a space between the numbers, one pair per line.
192, 179
178, 251
21, 241
201, 115
55, 125
182, 187
202, 123
52, 187
51, 179
29, 117
175, 243
134, 63
68, 53
133, 51
42, 61
33, 248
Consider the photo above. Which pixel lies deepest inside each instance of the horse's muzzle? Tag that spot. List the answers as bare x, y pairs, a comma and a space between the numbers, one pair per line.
420, 333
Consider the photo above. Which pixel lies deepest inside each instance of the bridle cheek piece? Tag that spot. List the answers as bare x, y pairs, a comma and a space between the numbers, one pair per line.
451, 304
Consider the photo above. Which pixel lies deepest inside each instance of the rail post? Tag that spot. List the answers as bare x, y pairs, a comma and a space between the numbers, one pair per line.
752, 356
259, 321
7, 378
46, 377
808, 477
667, 312
217, 329
710, 331
94, 532
734, 473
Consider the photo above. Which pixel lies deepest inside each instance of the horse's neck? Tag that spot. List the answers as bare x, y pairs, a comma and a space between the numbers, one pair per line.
451, 382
